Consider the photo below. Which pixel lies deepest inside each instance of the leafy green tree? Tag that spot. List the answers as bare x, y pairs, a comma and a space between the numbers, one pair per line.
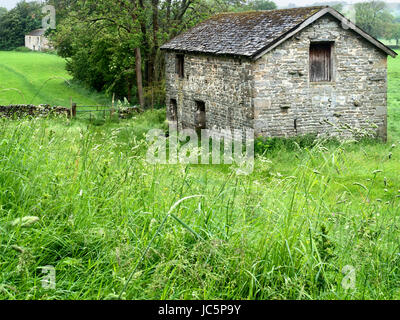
17, 22
262, 5
3, 11
114, 45
393, 32
96, 59
338, 7
63, 7
133, 31
373, 17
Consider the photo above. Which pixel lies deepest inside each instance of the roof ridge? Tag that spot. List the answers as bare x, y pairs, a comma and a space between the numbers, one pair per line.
251, 33
264, 11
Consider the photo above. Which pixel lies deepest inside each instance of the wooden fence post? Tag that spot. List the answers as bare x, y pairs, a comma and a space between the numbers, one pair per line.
73, 110
112, 106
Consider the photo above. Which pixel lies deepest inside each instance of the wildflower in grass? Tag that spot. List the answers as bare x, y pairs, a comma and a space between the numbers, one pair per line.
18, 248
24, 222
361, 185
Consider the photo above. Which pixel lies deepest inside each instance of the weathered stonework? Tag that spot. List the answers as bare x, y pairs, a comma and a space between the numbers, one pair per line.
224, 84
23, 110
274, 95
286, 103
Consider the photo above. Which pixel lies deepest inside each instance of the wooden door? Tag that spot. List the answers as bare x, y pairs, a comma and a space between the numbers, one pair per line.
321, 62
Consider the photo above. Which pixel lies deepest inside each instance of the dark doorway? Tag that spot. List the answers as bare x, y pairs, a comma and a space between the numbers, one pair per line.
173, 109
200, 118
180, 65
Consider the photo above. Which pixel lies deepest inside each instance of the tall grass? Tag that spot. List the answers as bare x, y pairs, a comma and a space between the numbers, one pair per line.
284, 232
114, 226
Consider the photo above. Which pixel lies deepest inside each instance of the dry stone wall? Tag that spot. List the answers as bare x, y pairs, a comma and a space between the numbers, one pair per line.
22, 110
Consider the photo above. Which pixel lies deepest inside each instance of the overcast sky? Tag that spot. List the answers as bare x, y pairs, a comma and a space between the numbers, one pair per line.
281, 3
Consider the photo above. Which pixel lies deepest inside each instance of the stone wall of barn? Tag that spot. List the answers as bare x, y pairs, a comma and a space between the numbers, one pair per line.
37, 43
286, 103
224, 84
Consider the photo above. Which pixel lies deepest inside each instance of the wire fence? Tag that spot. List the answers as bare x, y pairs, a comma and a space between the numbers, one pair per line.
102, 110
88, 112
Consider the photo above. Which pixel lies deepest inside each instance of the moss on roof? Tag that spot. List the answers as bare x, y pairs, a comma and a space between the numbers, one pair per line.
240, 33
37, 32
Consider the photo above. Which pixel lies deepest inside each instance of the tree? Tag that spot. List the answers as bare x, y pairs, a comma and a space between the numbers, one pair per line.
63, 8
338, 7
3, 11
393, 32
134, 30
373, 17
262, 5
114, 45
14, 24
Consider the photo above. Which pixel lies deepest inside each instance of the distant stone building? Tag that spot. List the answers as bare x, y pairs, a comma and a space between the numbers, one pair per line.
281, 72
36, 40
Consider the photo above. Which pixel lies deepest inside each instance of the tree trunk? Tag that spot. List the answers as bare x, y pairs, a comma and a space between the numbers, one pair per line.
145, 45
155, 40
139, 80
168, 12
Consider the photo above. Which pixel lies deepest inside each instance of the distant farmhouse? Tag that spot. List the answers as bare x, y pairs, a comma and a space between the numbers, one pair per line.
282, 73
36, 40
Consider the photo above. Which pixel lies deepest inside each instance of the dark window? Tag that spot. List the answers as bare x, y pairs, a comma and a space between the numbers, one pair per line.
179, 65
173, 110
321, 61
201, 115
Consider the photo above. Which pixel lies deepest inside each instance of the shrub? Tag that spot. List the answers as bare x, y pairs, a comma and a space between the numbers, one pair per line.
22, 49
264, 145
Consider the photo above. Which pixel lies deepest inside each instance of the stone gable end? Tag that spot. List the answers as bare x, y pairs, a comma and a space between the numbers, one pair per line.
287, 103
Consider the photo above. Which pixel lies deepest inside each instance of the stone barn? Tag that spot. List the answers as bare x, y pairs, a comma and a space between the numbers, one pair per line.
282, 73
36, 40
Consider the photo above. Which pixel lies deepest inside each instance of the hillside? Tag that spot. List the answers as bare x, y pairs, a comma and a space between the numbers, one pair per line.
39, 78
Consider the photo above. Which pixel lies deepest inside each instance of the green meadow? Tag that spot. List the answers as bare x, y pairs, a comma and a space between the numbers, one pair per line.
40, 78
315, 220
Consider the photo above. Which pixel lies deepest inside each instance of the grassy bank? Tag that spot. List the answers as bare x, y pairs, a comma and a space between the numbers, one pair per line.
39, 78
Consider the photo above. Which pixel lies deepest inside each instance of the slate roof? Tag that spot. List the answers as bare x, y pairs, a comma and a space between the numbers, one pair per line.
37, 32
249, 34
243, 33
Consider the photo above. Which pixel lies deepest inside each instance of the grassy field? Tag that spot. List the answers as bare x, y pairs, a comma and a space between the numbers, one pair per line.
101, 215
39, 78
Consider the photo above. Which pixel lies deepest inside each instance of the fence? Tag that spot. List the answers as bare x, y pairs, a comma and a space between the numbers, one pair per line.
104, 110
